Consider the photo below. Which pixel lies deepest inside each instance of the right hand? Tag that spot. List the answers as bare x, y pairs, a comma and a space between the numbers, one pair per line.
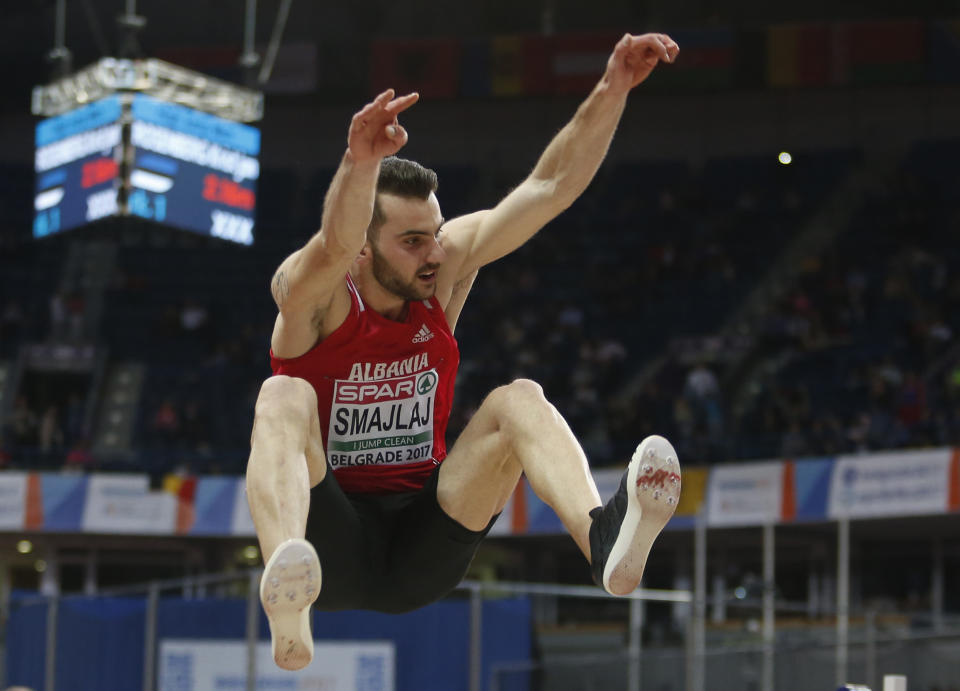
375, 132
634, 58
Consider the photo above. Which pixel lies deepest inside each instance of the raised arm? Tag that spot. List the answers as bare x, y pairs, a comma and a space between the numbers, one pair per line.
564, 169
307, 283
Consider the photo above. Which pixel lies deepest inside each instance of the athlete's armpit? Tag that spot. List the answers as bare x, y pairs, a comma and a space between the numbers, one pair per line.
458, 296
462, 285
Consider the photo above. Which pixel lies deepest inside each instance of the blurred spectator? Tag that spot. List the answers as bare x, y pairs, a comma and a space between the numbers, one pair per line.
165, 422
889, 372
827, 435
167, 323
195, 427
11, 321
58, 317
858, 431
795, 442
912, 401
701, 391
76, 317
50, 431
79, 457
683, 418
193, 316
610, 358
701, 383
74, 425
23, 425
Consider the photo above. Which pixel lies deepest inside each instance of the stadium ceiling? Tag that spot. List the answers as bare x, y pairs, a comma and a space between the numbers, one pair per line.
129, 72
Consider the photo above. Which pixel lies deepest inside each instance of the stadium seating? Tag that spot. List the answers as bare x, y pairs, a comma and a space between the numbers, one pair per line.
653, 252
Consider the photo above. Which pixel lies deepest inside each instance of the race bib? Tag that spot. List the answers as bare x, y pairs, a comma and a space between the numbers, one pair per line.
382, 422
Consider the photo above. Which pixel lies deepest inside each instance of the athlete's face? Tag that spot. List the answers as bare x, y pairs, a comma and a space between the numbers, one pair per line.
406, 252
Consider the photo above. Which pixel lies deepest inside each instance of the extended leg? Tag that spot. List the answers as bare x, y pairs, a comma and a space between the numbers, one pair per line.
286, 460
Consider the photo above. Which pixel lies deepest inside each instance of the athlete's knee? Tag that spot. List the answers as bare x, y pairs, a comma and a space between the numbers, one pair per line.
526, 388
518, 393
286, 398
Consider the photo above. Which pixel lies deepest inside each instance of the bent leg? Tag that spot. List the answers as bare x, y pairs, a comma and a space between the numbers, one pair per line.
516, 430
286, 460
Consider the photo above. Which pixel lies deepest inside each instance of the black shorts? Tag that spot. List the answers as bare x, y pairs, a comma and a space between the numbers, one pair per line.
390, 553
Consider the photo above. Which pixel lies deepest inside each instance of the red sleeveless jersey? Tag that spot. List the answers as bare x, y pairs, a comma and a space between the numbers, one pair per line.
384, 392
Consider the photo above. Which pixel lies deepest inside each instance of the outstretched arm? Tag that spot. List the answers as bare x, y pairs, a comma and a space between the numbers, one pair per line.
306, 282
565, 168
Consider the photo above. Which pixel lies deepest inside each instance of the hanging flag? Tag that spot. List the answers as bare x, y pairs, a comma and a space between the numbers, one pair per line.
578, 61
428, 66
537, 65
889, 52
506, 66
706, 60
476, 65
800, 55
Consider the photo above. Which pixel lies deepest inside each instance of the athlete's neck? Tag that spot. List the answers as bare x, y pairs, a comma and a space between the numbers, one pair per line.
380, 300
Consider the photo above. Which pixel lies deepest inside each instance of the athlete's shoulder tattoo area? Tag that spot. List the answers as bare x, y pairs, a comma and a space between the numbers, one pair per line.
280, 287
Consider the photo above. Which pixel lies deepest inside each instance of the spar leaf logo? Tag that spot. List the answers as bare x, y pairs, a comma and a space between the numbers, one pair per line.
426, 382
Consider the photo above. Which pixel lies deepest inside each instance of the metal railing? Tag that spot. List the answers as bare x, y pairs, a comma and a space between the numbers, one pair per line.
735, 662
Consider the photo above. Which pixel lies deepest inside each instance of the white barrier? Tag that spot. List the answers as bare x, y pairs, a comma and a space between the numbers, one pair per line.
894, 682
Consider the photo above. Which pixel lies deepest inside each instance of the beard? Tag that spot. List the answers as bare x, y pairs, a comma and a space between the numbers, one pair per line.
391, 280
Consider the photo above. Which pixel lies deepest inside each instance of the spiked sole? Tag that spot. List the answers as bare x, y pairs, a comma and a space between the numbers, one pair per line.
653, 489
289, 585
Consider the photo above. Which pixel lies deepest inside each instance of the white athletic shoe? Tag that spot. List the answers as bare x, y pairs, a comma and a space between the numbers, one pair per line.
624, 530
289, 585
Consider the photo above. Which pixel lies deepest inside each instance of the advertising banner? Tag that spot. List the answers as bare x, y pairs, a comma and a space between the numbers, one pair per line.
241, 521
900, 483
811, 487
213, 504
213, 665
746, 494
63, 499
13, 500
125, 504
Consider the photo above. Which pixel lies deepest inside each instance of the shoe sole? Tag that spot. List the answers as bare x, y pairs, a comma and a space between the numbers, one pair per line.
289, 585
653, 490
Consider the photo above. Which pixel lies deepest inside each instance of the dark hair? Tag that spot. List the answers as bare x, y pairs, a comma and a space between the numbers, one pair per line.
402, 178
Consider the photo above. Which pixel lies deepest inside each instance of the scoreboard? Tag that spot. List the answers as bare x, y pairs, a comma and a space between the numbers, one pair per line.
135, 155
193, 170
76, 164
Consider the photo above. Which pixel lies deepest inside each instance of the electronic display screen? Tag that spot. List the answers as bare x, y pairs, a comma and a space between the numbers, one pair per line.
193, 170
76, 167
188, 169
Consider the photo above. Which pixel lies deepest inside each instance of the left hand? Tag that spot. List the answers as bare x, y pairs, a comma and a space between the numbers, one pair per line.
634, 58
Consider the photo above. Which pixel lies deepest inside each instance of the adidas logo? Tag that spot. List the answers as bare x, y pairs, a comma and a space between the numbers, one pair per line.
423, 335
